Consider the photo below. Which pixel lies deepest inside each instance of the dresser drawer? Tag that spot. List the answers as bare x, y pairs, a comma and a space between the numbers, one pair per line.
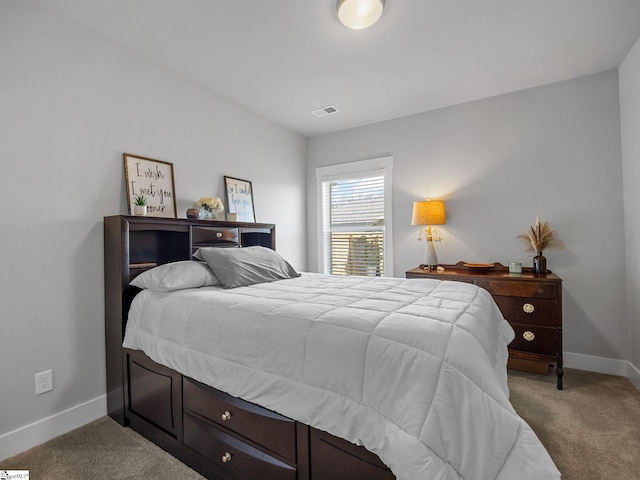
529, 311
262, 426
237, 459
533, 339
517, 288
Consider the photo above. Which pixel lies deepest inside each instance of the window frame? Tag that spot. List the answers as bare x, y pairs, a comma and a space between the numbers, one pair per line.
345, 171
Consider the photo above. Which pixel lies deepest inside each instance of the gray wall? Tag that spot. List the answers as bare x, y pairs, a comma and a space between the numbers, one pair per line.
552, 151
72, 102
630, 120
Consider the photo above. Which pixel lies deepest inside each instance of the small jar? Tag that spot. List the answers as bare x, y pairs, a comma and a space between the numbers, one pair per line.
193, 213
515, 267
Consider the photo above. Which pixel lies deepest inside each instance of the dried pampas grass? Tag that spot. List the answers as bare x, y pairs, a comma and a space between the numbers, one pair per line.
540, 237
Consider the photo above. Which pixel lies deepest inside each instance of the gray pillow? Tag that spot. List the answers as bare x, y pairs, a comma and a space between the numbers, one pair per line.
238, 267
176, 276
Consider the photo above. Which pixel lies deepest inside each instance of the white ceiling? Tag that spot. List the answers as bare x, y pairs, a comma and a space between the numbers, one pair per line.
285, 58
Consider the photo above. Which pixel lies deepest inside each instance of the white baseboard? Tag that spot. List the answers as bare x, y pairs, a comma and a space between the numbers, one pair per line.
595, 364
634, 375
29, 436
610, 366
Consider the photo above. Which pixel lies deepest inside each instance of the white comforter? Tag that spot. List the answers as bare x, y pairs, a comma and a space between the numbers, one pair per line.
414, 370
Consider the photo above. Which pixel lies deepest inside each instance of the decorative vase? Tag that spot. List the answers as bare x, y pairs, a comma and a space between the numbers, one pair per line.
140, 210
539, 264
193, 213
208, 214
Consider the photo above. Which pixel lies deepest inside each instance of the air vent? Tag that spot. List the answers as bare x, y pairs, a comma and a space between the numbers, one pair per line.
323, 112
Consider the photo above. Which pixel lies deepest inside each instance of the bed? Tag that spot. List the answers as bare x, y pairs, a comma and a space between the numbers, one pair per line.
317, 377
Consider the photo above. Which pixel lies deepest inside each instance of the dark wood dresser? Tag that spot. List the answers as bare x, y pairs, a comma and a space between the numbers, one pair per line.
532, 304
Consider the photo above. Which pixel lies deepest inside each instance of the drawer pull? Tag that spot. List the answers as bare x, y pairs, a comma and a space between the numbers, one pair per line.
528, 308
226, 457
226, 415
219, 234
528, 336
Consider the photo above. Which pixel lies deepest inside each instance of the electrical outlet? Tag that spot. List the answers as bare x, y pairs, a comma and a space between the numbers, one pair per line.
44, 382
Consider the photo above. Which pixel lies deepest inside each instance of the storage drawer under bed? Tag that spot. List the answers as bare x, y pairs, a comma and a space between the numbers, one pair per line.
268, 429
338, 459
236, 458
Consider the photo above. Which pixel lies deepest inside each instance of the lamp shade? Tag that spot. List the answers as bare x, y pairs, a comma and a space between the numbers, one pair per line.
429, 212
359, 14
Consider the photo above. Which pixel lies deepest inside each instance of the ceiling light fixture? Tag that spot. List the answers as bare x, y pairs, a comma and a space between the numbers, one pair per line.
359, 14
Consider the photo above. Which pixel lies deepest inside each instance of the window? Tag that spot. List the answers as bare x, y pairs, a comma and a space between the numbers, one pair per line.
355, 207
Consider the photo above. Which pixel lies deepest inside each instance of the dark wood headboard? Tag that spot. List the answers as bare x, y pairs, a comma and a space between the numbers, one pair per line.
134, 244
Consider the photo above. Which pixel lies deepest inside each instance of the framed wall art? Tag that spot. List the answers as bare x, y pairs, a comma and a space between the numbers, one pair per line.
239, 195
150, 181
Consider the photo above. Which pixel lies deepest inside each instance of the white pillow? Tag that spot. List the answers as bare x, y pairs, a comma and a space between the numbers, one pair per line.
176, 276
238, 267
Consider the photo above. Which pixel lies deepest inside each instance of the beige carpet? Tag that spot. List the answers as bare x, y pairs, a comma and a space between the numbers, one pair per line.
591, 429
100, 450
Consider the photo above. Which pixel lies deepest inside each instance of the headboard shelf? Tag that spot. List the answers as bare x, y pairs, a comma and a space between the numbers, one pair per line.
134, 244
143, 266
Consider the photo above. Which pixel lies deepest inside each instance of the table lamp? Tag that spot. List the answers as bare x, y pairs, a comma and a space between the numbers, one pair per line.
429, 212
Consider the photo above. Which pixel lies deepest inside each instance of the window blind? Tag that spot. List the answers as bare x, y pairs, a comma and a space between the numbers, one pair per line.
354, 225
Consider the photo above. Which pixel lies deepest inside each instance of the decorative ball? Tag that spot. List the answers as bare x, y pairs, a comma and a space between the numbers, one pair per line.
193, 213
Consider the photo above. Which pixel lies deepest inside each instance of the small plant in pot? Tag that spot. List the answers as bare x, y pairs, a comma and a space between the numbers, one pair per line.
139, 205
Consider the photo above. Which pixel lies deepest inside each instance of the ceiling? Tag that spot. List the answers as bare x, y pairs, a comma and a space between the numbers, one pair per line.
284, 58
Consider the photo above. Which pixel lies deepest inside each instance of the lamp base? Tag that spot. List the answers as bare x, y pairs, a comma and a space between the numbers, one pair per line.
430, 257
